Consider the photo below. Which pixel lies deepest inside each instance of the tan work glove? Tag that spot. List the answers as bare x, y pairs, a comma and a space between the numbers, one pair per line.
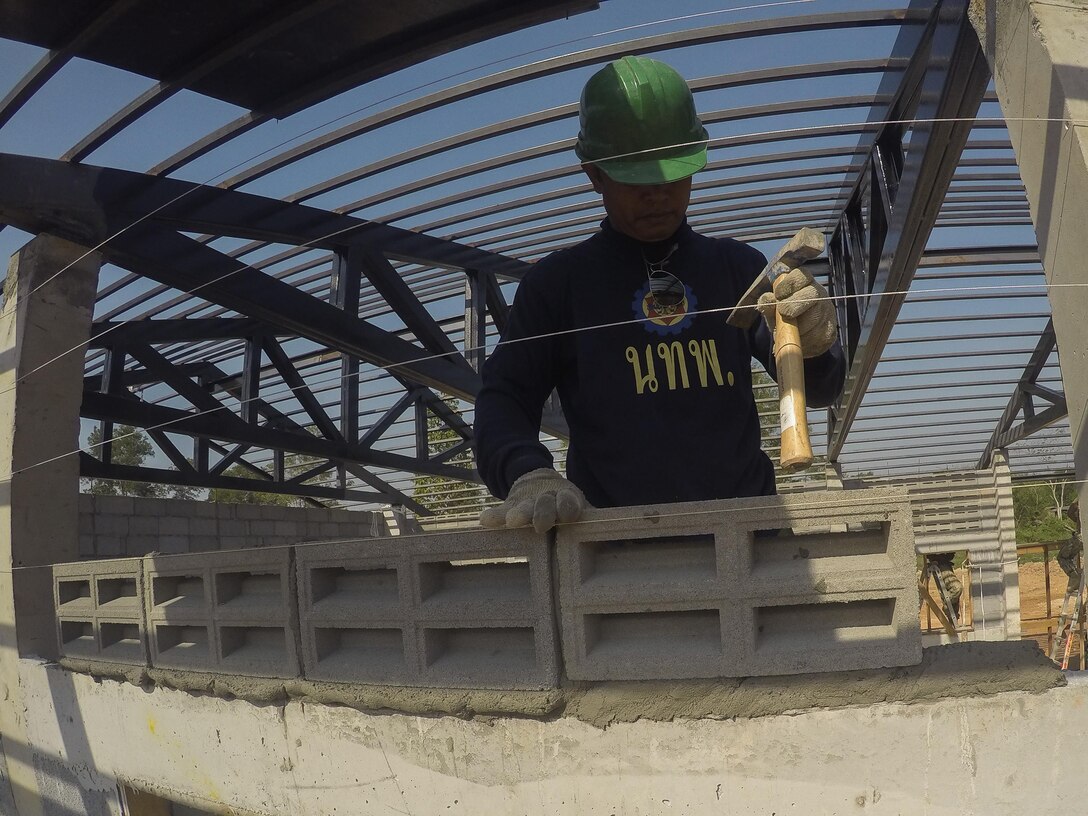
541, 498
806, 301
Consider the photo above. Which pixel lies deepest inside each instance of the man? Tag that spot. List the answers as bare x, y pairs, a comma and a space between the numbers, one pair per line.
946, 569
630, 327
1069, 554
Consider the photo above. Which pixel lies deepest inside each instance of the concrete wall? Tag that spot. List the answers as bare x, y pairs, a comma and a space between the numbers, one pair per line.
48, 299
769, 585
946, 742
972, 512
1038, 53
117, 526
684, 590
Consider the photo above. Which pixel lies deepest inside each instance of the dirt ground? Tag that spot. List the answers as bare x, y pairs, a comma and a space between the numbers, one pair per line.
1035, 615
1033, 590
1038, 619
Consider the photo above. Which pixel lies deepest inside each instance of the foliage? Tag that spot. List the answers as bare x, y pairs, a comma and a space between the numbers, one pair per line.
1039, 509
442, 495
764, 388
294, 464
225, 496
130, 446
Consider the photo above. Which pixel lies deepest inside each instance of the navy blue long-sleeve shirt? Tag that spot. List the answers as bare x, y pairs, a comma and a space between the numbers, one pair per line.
659, 402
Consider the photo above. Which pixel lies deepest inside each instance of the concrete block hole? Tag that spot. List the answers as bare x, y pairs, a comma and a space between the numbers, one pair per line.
815, 626
475, 581
667, 635
252, 644
491, 651
648, 560
114, 589
70, 592
177, 640
241, 588
178, 591
344, 651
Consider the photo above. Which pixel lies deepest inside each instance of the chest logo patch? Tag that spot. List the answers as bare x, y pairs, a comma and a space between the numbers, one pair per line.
664, 313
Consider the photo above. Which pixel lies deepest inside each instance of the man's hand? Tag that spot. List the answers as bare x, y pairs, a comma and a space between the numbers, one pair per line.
541, 498
806, 301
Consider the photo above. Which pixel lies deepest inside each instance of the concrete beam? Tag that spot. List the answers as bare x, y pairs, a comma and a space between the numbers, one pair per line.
1038, 52
941, 741
48, 299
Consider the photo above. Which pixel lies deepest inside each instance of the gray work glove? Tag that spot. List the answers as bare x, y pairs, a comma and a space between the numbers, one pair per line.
806, 301
541, 498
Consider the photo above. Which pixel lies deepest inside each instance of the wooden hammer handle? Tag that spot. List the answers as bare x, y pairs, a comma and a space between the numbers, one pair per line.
796, 452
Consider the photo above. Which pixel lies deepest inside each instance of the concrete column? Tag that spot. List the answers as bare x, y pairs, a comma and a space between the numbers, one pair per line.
1006, 537
41, 388
1038, 52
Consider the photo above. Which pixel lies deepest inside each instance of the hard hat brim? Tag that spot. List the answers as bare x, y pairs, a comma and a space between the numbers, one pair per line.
675, 165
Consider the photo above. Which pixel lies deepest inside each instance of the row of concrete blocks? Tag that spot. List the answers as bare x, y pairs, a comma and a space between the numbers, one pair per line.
772, 585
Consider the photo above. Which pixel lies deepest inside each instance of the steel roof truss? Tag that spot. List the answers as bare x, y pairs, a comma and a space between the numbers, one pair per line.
1023, 402
949, 86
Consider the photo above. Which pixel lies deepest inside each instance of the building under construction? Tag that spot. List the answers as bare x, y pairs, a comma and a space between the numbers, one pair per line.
260, 252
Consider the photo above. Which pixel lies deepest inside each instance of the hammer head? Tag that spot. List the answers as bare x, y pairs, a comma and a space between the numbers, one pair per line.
804, 246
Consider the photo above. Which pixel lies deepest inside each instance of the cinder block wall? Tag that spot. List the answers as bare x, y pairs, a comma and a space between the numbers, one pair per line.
120, 526
970, 511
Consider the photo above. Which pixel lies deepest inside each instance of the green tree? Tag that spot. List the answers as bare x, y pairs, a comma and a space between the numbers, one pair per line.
440, 494
294, 464
130, 446
765, 388
226, 496
1038, 509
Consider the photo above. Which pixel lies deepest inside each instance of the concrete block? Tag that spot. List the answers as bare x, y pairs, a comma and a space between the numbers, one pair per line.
456, 610
174, 525
226, 612
86, 546
208, 510
329, 529
159, 508
143, 525
289, 529
173, 544
203, 543
816, 581
203, 526
86, 523
139, 545
111, 524
115, 505
249, 511
107, 546
233, 527
100, 610
262, 527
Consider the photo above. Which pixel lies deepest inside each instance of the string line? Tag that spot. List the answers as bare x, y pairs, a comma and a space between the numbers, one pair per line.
658, 511
560, 333
390, 98
334, 233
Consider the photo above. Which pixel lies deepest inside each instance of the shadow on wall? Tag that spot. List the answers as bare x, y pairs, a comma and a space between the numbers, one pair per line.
125, 526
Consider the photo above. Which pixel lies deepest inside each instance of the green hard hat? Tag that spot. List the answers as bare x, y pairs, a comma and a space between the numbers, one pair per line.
635, 105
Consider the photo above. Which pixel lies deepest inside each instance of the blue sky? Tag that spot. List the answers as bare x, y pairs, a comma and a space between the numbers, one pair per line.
83, 95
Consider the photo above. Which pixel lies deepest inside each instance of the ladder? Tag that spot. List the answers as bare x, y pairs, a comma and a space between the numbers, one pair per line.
1068, 620
946, 613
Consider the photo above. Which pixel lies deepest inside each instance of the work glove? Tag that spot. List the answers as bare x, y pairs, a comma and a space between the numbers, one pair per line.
541, 498
801, 298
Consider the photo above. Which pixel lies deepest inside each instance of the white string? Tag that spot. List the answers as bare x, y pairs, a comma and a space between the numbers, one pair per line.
842, 498
244, 266
560, 333
390, 98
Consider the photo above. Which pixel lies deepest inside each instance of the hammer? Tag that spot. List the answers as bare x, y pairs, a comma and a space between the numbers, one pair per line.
796, 452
